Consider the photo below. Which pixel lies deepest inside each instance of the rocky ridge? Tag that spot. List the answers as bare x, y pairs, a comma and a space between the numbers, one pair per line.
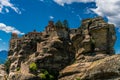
60, 53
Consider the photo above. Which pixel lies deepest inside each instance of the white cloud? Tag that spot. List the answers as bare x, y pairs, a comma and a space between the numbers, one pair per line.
0, 39
6, 4
51, 17
105, 8
109, 9
9, 29
7, 10
62, 2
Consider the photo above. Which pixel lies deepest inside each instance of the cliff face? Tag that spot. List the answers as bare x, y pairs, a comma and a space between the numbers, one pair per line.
95, 36
107, 68
64, 53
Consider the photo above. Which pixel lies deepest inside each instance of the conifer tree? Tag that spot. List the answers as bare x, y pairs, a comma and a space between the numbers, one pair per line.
58, 24
65, 24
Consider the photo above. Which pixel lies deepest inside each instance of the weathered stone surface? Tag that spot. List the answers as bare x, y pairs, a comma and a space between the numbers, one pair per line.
3, 74
52, 51
103, 69
76, 51
21, 76
94, 36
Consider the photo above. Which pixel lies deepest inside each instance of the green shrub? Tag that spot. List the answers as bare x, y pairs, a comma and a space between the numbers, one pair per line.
46, 72
42, 76
33, 67
51, 77
42, 70
7, 65
78, 79
45, 75
18, 68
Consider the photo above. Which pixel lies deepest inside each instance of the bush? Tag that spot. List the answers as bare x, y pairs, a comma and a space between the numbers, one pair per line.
46, 72
51, 77
33, 67
45, 75
78, 79
42, 76
7, 65
18, 68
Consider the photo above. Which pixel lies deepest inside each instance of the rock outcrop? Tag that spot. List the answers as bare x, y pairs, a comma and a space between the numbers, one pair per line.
50, 50
103, 69
95, 36
65, 54
3, 74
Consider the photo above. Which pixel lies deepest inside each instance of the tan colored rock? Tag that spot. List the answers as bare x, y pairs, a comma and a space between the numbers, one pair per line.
3, 74
73, 51
104, 69
94, 36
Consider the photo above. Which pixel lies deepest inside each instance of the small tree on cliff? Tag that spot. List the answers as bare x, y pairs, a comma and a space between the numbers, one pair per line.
59, 24
65, 24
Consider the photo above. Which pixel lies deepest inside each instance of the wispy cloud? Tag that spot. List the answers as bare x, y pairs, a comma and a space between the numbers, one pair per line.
0, 39
109, 9
106, 8
79, 17
6, 4
51, 17
9, 29
62, 2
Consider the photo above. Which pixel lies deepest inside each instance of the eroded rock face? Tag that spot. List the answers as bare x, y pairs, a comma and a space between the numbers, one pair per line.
3, 74
94, 36
51, 51
104, 69
70, 52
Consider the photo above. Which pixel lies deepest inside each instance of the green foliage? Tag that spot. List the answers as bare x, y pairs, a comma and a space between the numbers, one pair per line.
62, 25
65, 24
46, 72
42, 76
33, 67
42, 70
78, 79
45, 75
7, 65
51, 77
18, 68
59, 24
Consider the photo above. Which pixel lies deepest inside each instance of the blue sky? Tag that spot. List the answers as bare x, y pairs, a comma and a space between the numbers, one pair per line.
23, 16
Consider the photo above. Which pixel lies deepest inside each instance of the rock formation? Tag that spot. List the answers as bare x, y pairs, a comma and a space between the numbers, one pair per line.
59, 53
95, 36
107, 68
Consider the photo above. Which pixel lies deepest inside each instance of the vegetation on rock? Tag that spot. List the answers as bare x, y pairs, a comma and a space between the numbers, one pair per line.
7, 65
78, 79
55, 50
33, 67
45, 75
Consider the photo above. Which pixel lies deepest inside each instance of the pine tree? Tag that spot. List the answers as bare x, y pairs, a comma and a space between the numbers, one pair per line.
59, 24
65, 24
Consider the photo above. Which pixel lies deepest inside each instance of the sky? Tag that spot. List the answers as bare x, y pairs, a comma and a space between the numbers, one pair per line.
23, 16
